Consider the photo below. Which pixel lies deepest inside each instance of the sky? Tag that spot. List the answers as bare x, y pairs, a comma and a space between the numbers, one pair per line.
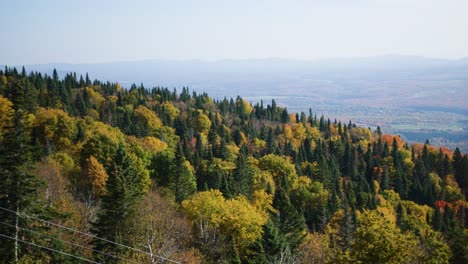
91, 31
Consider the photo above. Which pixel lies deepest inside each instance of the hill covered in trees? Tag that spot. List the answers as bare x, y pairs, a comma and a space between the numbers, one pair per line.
93, 172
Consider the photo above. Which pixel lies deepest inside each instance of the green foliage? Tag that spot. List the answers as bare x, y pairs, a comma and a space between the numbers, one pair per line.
128, 181
18, 186
186, 184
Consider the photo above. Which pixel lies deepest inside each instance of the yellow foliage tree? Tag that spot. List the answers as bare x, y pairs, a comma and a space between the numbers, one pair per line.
96, 176
55, 128
379, 240
202, 123
233, 152
312, 133
295, 133
261, 179
259, 145
101, 141
6, 114
235, 218
242, 221
153, 144
360, 134
263, 202
282, 169
95, 98
244, 106
170, 110
146, 120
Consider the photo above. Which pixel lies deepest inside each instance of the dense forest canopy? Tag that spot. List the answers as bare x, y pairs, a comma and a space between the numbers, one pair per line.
93, 172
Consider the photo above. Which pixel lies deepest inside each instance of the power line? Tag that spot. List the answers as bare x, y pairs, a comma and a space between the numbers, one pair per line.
73, 230
90, 235
68, 242
50, 249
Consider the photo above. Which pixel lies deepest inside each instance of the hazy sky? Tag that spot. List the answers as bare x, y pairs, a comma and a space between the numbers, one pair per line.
113, 30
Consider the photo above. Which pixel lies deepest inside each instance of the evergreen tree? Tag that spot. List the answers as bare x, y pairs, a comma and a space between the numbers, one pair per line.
186, 184
22, 94
285, 116
242, 177
385, 182
437, 221
18, 186
460, 170
127, 183
273, 241
291, 221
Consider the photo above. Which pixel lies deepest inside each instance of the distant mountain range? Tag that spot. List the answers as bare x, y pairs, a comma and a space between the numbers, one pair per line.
182, 68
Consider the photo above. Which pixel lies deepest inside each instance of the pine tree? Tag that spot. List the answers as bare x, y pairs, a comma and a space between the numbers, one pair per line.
273, 241
242, 178
18, 187
186, 183
460, 170
127, 182
22, 94
385, 183
87, 81
291, 221
285, 116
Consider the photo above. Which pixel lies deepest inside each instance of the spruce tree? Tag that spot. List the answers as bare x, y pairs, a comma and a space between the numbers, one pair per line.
127, 183
291, 221
18, 186
186, 183
273, 241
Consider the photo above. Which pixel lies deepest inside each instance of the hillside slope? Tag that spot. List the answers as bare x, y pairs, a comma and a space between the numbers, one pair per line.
153, 175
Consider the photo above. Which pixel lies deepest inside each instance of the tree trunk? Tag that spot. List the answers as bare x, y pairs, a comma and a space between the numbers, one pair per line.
16, 233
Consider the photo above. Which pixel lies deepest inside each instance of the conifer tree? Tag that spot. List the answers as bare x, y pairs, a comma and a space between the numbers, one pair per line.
273, 241
186, 183
128, 181
291, 221
18, 186
242, 178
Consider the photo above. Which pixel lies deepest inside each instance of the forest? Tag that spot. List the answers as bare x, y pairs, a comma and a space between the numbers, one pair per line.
92, 172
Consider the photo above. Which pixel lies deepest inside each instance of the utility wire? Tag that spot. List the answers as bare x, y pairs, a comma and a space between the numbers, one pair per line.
71, 229
90, 235
50, 249
68, 242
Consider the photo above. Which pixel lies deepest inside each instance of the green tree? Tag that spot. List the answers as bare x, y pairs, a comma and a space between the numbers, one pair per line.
186, 184
18, 186
291, 221
128, 182
22, 94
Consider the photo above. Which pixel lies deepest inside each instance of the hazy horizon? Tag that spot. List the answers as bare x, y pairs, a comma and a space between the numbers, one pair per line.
400, 64
88, 32
313, 60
